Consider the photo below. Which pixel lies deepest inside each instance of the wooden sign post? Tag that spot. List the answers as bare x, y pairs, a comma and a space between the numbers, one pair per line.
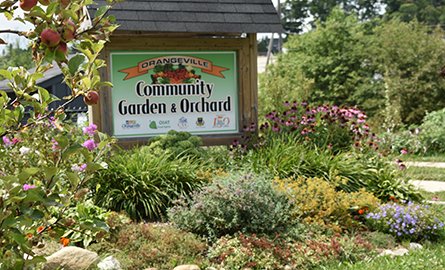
199, 80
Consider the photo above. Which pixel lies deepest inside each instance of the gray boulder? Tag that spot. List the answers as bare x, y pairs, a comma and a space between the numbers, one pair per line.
71, 258
187, 267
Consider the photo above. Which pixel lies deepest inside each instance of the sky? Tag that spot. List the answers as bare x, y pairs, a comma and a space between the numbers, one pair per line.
13, 25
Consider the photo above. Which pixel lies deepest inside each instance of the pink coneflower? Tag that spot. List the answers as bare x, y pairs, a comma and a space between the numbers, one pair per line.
28, 187
89, 144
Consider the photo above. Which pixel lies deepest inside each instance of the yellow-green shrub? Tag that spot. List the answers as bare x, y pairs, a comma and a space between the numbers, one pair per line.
317, 201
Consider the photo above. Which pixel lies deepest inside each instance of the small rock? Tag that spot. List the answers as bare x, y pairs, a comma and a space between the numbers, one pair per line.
187, 267
109, 263
386, 252
151, 268
71, 258
400, 252
211, 268
415, 246
287, 267
397, 252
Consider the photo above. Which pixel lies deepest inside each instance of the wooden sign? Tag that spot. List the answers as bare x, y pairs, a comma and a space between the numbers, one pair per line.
157, 91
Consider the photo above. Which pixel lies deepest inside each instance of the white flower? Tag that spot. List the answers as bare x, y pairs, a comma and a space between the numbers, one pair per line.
24, 150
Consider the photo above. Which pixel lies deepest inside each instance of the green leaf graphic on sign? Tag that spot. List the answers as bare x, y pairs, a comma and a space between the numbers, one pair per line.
153, 125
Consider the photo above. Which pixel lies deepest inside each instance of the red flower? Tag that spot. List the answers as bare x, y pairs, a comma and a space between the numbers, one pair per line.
40, 229
65, 241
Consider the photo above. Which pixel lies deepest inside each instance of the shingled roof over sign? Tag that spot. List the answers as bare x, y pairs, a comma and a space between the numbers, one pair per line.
198, 16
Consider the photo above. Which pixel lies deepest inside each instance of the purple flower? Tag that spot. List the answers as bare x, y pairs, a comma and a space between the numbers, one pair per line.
77, 168
89, 130
28, 187
55, 145
89, 144
403, 151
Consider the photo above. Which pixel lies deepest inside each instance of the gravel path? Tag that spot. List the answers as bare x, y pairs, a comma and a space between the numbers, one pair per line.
430, 186
425, 164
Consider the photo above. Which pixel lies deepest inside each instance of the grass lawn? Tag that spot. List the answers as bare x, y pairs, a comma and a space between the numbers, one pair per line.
426, 158
425, 173
430, 257
440, 196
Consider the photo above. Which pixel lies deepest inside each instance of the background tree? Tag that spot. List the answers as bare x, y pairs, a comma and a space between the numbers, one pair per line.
14, 56
388, 69
325, 65
409, 57
297, 14
430, 12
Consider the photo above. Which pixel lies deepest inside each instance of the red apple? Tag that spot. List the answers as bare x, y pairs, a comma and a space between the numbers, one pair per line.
62, 47
27, 5
50, 37
44, 2
68, 30
91, 98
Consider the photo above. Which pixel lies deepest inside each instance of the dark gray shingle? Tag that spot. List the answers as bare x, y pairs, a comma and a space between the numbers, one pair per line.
206, 16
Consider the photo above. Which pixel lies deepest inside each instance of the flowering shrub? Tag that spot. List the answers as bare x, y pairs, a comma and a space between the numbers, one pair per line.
260, 252
239, 202
43, 172
410, 221
317, 201
327, 126
45, 164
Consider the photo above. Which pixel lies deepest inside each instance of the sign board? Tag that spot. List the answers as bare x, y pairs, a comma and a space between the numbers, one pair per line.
154, 92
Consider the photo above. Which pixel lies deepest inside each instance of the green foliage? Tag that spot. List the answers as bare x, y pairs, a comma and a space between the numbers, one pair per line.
377, 66
397, 142
85, 223
45, 164
259, 252
326, 65
15, 56
238, 202
432, 132
429, 12
298, 13
427, 138
284, 157
410, 70
177, 144
138, 246
144, 183
42, 185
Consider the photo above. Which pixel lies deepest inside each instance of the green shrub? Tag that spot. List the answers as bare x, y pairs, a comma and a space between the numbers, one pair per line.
432, 131
238, 202
316, 201
428, 138
140, 246
398, 142
177, 144
144, 183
